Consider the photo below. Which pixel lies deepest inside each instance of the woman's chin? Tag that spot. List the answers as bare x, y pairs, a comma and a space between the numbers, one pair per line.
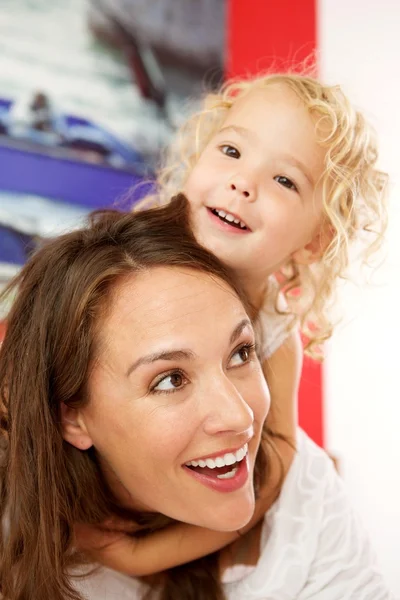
230, 518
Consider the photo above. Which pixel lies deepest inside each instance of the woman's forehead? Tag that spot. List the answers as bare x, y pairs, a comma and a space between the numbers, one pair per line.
170, 300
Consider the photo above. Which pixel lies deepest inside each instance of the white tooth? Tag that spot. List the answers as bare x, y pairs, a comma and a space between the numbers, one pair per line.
221, 213
230, 218
229, 474
229, 459
219, 461
194, 463
239, 454
236, 221
202, 463
242, 225
210, 463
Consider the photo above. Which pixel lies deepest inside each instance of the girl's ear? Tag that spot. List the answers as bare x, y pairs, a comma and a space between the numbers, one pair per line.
74, 429
314, 250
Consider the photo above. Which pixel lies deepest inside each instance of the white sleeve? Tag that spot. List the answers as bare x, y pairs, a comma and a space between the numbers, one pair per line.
344, 566
313, 545
275, 327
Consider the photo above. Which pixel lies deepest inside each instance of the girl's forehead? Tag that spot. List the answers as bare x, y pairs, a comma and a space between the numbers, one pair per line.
275, 96
275, 120
275, 106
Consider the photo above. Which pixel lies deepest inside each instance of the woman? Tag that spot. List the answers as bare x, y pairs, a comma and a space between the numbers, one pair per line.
112, 383
114, 387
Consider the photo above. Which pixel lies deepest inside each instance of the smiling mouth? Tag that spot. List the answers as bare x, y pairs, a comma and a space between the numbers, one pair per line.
230, 219
221, 467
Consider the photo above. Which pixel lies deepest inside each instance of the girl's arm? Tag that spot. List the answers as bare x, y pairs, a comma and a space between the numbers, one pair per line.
181, 543
174, 545
282, 372
140, 556
169, 547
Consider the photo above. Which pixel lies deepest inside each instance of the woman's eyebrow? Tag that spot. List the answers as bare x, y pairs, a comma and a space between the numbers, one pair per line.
236, 333
162, 355
182, 354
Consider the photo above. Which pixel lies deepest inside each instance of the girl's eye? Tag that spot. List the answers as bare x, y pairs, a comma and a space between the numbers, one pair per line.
170, 383
286, 182
230, 151
242, 355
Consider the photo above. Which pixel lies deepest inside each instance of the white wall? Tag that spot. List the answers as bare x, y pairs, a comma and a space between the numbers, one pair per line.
360, 48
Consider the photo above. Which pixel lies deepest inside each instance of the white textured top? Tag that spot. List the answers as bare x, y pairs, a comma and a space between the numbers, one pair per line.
313, 546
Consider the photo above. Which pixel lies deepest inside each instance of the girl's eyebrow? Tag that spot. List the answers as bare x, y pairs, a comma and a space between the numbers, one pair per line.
250, 135
239, 130
291, 160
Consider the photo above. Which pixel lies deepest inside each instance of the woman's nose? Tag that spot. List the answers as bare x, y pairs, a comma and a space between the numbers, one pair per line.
243, 186
226, 411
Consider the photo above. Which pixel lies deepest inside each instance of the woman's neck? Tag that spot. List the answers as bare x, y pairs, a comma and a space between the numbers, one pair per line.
245, 550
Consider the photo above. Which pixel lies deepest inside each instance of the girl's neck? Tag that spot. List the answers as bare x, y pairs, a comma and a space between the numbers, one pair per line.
255, 288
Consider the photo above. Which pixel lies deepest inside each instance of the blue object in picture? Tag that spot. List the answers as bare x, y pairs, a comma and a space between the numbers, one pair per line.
15, 246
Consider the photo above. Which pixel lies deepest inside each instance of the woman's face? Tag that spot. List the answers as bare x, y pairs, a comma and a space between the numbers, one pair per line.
178, 399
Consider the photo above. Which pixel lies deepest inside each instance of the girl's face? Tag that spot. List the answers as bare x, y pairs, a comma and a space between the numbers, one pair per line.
254, 192
177, 399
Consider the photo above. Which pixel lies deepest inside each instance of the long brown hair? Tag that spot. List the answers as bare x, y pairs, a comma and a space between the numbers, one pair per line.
47, 485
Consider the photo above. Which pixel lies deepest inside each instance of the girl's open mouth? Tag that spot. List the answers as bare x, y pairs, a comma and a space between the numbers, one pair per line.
229, 219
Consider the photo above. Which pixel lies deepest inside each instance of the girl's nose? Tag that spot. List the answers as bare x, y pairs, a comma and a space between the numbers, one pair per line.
242, 186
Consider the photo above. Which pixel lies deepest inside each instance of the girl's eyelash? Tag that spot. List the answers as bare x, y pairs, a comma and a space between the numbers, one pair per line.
290, 181
230, 146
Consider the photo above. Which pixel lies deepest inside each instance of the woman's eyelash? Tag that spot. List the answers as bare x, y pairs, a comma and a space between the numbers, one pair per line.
165, 376
250, 346
251, 349
181, 378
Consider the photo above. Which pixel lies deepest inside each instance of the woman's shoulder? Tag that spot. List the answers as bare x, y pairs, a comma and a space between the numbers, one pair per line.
313, 545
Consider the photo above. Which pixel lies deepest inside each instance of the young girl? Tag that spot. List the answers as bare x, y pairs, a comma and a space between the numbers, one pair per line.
280, 172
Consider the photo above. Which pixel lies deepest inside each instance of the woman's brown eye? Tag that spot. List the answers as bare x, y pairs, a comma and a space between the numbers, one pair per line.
244, 354
176, 379
170, 382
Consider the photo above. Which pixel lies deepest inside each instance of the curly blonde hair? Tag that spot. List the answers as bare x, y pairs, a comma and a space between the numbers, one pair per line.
353, 189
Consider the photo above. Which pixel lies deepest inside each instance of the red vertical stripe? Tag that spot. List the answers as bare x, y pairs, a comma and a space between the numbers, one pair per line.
311, 398
278, 33
261, 33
